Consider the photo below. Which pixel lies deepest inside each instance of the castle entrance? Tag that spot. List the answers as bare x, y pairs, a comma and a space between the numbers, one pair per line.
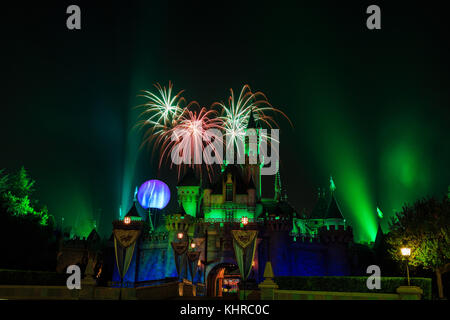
223, 281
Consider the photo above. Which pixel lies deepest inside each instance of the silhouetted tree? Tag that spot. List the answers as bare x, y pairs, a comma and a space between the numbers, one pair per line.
425, 228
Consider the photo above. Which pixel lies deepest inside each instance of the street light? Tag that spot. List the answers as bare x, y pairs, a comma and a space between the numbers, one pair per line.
406, 252
127, 220
180, 235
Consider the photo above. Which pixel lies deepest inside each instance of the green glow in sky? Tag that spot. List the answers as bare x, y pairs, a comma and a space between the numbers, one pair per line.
405, 168
80, 213
336, 148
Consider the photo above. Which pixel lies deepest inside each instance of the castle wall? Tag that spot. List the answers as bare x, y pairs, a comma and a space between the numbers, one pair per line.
307, 259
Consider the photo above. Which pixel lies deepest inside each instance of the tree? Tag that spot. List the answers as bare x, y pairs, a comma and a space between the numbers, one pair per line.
3, 181
15, 196
20, 184
26, 232
425, 228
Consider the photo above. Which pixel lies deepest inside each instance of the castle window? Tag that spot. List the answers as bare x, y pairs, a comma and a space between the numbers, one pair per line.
229, 192
229, 215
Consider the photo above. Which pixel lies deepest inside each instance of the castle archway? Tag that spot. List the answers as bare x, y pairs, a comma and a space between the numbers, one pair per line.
223, 280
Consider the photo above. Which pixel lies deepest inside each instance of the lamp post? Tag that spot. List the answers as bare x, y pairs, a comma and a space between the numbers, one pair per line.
406, 252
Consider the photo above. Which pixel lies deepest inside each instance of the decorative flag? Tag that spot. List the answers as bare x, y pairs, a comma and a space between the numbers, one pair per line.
179, 249
244, 243
124, 243
193, 257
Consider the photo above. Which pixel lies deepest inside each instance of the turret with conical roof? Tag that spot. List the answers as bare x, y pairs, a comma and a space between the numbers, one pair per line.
252, 159
333, 216
320, 209
333, 211
379, 239
189, 179
133, 213
251, 124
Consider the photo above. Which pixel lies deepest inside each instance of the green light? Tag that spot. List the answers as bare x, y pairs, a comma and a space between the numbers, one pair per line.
380, 214
332, 185
339, 148
215, 214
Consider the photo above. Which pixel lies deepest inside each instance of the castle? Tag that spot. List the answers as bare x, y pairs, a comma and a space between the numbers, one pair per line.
297, 244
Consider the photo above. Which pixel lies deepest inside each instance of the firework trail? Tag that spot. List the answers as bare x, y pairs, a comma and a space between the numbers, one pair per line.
173, 127
191, 136
236, 114
161, 113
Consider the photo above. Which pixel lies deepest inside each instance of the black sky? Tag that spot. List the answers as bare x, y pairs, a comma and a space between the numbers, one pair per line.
67, 95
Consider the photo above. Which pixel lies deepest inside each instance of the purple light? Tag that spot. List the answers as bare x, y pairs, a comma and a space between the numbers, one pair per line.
153, 194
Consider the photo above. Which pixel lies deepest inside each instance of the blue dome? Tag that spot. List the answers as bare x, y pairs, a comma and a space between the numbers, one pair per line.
153, 194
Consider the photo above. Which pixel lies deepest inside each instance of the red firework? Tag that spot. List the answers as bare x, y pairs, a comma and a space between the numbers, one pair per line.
192, 141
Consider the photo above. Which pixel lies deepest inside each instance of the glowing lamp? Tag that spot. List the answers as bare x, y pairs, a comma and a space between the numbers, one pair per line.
127, 220
180, 235
406, 252
193, 245
153, 194
244, 221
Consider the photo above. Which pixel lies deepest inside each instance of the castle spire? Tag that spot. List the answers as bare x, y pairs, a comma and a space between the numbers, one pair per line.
135, 194
277, 186
251, 121
380, 214
332, 185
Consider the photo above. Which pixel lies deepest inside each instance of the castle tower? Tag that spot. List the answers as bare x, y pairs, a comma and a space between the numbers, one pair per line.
252, 161
179, 223
188, 190
333, 216
251, 192
277, 186
207, 195
278, 226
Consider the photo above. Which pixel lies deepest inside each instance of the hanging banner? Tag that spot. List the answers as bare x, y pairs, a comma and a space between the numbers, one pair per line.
126, 237
179, 249
244, 244
193, 257
124, 243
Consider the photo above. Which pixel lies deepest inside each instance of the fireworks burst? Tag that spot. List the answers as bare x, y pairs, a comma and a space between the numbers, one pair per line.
162, 112
174, 128
191, 136
236, 114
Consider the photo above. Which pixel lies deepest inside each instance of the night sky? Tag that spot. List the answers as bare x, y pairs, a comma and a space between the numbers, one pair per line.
370, 108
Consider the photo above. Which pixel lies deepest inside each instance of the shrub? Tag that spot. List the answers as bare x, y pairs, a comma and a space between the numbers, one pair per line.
351, 284
42, 278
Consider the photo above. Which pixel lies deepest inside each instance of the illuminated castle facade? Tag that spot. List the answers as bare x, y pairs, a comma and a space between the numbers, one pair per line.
296, 244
